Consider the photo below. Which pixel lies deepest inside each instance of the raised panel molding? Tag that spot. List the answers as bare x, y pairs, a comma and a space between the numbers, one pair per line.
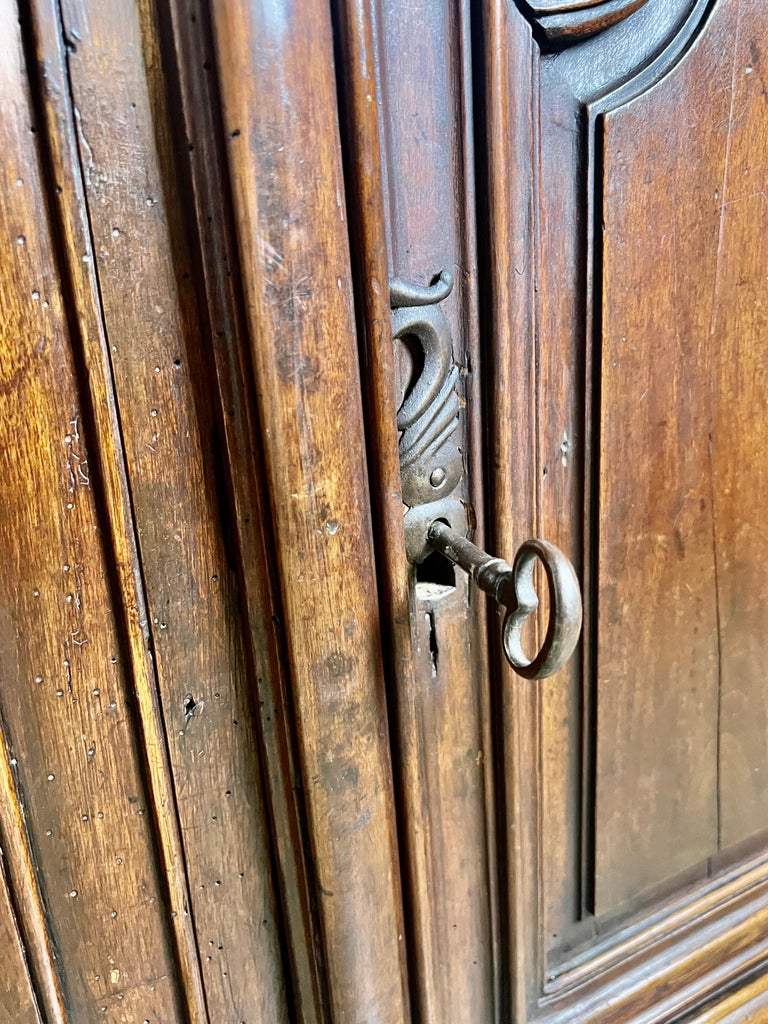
671, 964
567, 23
548, 98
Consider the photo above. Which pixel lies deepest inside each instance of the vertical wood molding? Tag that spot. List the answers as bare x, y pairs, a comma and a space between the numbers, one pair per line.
411, 179
749, 1005
142, 233
276, 70
71, 207
22, 895
219, 875
202, 162
511, 401
65, 694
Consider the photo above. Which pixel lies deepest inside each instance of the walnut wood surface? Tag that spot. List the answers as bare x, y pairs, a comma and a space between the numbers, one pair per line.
566, 22
749, 1005
191, 596
233, 725
82, 280
562, 163
34, 980
279, 112
423, 139
508, 301
202, 165
682, 554
66, 700
17, 997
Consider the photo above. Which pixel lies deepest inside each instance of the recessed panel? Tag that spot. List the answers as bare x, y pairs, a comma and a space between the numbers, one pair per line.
682, 551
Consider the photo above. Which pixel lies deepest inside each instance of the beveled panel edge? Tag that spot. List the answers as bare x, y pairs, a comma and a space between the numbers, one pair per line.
324, 564
704, 943
740, 1007
628, 57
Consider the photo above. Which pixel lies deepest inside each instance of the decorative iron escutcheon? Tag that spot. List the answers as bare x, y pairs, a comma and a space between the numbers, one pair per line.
431, 467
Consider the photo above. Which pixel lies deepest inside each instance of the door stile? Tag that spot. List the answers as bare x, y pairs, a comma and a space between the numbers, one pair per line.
511, 397
360, 102
279, 102
201, 157
412, 215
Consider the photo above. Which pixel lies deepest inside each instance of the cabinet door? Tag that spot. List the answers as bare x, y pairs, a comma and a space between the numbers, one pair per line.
256, 765
594, 176
627, 170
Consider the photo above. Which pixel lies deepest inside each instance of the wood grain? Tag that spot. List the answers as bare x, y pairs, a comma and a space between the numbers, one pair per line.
202, 164
570, 87
66, 703
18, 1003
665, 968
748, 1005
280, 114
678, 435
28, 909
509, 302
210, 640
560, 422
441, 695
85, 307
739, 399
166, 421
561, 225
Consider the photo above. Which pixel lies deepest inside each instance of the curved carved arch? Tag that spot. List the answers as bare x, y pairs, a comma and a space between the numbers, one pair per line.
609, 45
568, 23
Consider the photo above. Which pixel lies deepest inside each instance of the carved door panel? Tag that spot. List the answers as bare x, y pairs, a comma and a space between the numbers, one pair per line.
615, 403
257, 764
627, 242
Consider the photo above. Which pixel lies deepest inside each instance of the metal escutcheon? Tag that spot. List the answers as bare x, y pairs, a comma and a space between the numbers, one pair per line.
512, 587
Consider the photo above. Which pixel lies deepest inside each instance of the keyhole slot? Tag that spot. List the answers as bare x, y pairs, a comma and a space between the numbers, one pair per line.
437, 571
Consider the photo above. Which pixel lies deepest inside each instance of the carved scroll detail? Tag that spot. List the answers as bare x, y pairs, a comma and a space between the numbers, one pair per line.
430, 462
567, 22
431, 465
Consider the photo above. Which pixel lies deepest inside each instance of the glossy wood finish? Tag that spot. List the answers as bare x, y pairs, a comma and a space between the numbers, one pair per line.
18, 1002
279, 113
27, 915
66, 700
247, 723
422, 189
670, 961
747, 1006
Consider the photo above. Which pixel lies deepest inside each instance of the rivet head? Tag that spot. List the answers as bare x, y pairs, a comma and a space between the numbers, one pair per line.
437, 477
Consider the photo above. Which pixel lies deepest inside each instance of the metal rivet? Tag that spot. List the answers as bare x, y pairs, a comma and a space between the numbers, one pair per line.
437, 477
